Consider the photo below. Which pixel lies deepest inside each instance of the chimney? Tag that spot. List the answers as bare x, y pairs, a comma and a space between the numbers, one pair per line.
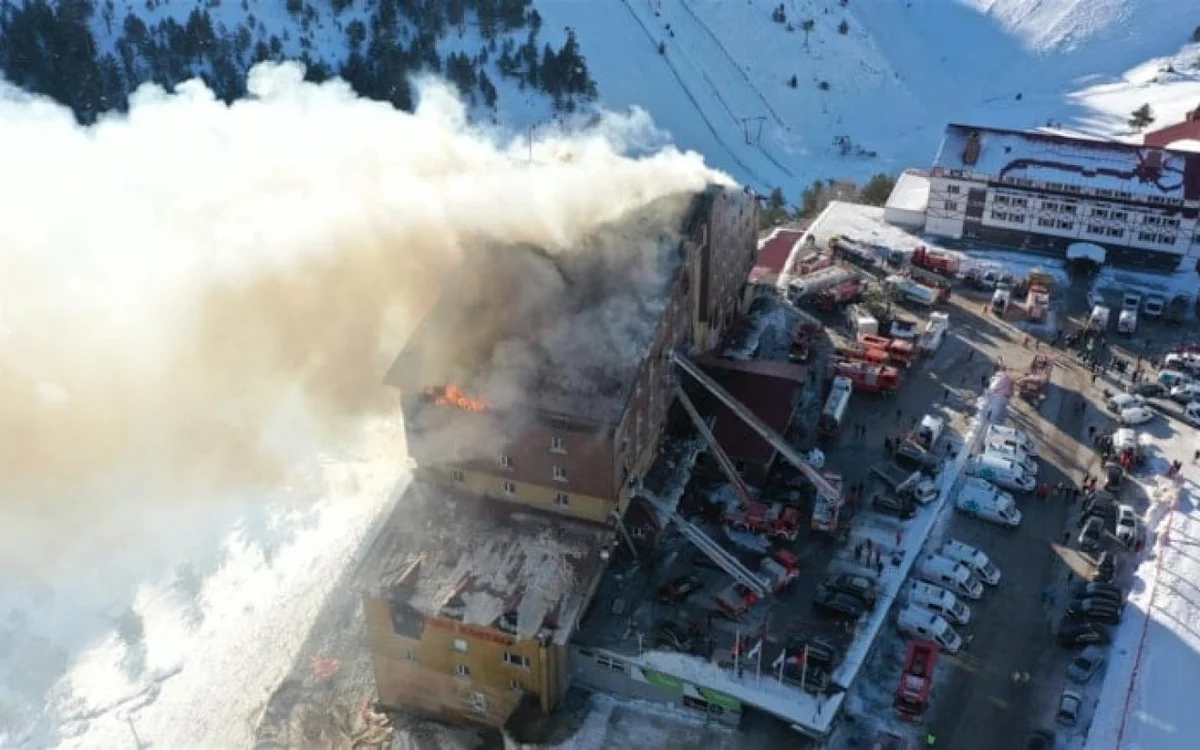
971, 150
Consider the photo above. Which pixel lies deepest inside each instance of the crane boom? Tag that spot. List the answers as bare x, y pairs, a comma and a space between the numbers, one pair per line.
750, 418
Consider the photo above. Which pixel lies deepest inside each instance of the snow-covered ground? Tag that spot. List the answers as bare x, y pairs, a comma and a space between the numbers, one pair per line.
1147, 701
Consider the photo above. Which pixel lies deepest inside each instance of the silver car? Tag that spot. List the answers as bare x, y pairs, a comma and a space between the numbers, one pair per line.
1084, 666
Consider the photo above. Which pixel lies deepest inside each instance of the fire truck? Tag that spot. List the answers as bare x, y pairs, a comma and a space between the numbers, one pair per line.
933, 280
846, 292
916, 681
870, 355
900, 352
942, 263
853, 251
869, 378
780, 569
812, 263
777, 521
736, 599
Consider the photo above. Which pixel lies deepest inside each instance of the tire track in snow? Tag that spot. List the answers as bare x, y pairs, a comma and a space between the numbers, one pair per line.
716, 90
762, 184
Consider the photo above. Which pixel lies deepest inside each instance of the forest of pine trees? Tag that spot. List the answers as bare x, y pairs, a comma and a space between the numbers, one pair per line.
47, 46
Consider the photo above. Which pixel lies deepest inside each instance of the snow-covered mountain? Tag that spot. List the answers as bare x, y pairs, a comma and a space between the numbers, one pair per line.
776, 94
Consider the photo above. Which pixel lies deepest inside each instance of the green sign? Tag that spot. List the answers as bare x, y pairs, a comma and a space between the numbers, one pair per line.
663, 680
727, 701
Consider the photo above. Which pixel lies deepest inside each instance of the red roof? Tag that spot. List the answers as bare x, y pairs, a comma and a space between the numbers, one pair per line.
774, 253
771, 398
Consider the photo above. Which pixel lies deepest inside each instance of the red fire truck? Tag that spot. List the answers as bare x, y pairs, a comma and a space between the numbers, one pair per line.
916, 681
900, 352
776, 521
867, 378
941, 263
844, 293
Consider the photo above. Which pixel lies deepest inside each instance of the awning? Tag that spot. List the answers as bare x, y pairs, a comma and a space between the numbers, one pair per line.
1086, 251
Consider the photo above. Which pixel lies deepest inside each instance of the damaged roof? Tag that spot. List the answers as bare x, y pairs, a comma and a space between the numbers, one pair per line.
563, 332
1081, 162
477, 560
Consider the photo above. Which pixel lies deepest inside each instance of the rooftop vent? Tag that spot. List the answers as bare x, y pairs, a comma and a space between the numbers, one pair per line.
971, 150
1151, 167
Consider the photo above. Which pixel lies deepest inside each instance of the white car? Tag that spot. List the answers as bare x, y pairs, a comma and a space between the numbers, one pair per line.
1123, 401
1017, 438
1127, 525
1135, 415
1189, 361
1185, 393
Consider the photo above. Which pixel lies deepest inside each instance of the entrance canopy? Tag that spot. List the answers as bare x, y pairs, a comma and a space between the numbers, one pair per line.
1087, 251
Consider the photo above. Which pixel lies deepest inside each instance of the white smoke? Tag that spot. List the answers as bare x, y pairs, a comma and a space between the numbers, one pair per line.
195, 293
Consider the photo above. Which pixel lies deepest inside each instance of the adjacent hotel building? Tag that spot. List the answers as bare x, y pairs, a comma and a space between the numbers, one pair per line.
1044, 193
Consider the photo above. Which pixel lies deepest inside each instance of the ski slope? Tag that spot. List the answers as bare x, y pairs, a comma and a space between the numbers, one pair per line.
902, 70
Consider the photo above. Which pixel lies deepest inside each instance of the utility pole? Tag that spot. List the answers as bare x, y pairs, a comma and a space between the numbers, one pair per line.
752, 129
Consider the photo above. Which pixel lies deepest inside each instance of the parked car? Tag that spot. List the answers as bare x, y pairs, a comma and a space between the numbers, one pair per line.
1092, 533
1111, 597
1135, 415
859, 586
1076, 634
894, 505
679, 589
673, 636
1095, 609
1113, 474
1085, 665
1127, 525
822, 652
1069, 705
1086, 589
1182, 394
915, 458
1150, 390
838, 604
1122, 401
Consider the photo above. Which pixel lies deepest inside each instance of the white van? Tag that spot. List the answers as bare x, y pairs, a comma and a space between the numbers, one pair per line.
919, 622
999, 432
1012, 453
983, 568
979, 498
1003, 472
939, 601
952, 575
1122, 401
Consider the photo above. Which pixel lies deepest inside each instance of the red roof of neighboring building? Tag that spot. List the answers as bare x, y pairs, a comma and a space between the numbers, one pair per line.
771, 398
1188, 129
773, 254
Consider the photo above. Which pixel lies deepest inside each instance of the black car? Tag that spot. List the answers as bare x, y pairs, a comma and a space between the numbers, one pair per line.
1039, 739
1078, 634
895, 505
913, 457
859, 586
679, 589
1092, 533
1103, 595
1094, 610
821, 652
673, 636
1150, 390
838, 604
1113, 474
1084, 590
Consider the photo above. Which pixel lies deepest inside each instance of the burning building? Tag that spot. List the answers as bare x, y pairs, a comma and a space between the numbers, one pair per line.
541, 378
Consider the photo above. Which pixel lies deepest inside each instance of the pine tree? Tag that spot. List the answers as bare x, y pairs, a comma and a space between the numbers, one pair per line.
1141, 118
877, 190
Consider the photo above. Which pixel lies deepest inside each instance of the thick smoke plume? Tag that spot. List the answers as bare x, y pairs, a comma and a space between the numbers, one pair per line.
192, 292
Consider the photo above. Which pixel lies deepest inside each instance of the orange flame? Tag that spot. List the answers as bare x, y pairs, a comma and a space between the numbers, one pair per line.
452, 395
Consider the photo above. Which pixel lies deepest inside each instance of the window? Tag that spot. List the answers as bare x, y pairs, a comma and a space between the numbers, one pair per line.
559, 474
1068, 208
1119, 216
1114, 232
479, 702
1019, 203
562, 499
462, 670
950, 205
410, 655
1044, 222
1017, 218
1060, 224
1171, 223
505, 461
458, 475
508, 487
1151, 220
1095, 229
611, 663
1001, 200
461, 645
515, 685
557, 445
953, 189
1146, 236
1099, 213
515, 660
